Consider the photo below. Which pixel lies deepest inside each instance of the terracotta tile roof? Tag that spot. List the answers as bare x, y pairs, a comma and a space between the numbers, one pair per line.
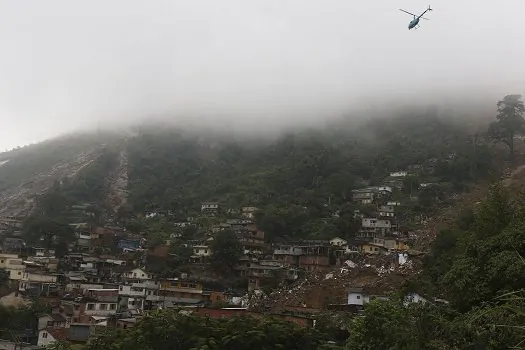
60, 334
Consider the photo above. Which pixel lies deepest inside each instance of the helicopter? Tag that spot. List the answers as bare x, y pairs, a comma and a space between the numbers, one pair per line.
415, 22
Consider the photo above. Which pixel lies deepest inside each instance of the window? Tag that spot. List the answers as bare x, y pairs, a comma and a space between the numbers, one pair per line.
2, 261
358, 297
103, 306
112, 306
205, 251
121, 288
90, 306
44, 335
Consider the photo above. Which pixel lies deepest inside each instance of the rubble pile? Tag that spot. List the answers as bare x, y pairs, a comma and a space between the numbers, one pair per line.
380, 274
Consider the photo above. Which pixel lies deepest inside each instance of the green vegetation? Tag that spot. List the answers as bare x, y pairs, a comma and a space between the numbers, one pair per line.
226, 250
301, 179
510, 122
174, 331
478, 267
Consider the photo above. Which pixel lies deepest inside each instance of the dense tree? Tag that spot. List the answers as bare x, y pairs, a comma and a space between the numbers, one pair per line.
173, 171
180, 254
226, 250
510, 122
50, 232
174, 331
385, 325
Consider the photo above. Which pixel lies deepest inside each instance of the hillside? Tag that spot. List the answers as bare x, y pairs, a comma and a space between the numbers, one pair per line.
168, 169
286, 229
32, 170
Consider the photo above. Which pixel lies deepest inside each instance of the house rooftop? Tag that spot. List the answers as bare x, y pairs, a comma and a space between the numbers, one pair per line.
58, 318
60, 334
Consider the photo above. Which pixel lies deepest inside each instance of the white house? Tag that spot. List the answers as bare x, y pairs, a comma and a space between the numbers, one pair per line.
201, 250
138, 274
48, 336
4, 259
36, 280
385, 189
101, 308
15, 268
356, 296
209, 206
338, 242
399, 174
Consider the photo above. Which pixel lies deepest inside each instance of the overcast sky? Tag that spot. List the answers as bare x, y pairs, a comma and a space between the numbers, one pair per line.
68, 64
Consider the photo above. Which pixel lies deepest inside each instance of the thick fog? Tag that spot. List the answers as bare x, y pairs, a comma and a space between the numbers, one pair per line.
245, 63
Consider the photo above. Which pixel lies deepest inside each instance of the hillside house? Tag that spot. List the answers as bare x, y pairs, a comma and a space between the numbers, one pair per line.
384, 190
386, 211
372, 248
137, 274
249, 212
399, 174
133, 296
173, 292
5, 257
363, 197
357, 296
338, 242
251, 239
38, 283
210, 208
316, 257
15, 267
372, 227
54, 320
101, 302
201, 250
287, 254
50, 335
310, 256
41, 252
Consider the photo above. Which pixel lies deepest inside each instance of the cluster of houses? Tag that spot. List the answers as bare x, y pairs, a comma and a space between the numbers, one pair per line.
104, 280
